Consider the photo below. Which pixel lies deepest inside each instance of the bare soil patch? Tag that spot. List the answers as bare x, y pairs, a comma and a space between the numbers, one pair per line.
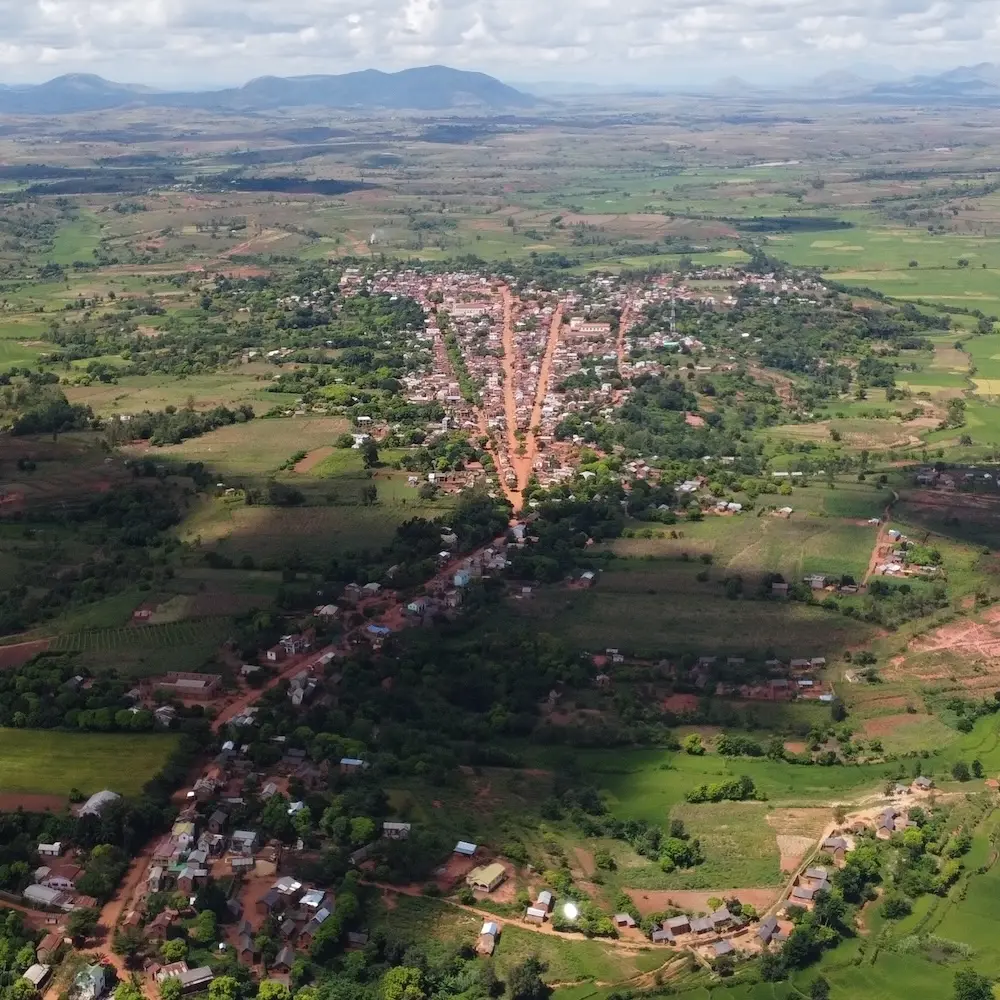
21, 652
655, 901
793, 850
585, 859
314, 458
792, 746
681, 703
9, 801
886, 724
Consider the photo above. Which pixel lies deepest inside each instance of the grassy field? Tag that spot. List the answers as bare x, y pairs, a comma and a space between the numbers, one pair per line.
132, 393
649, 784
436, 924
793, 547
658, 607
51, 763
258, 447
148, 649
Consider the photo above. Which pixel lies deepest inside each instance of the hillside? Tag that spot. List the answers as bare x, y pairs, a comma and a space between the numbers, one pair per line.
424, 88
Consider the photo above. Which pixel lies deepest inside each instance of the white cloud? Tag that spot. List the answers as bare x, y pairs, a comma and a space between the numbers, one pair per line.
196, 42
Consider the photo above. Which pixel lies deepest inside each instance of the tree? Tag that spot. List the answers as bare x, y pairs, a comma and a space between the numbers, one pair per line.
692, 744
128, 943
23, 989
369, 453
128, 989
174, 950
81, 924
525, 981
970, 985
223, 988
772, 967
977, 768
960, 771
270, 989
171, 989
819, 989
403, 983
205, 927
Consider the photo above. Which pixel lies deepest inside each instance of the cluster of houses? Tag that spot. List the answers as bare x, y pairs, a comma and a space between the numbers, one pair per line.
688, 931
799, 677
53, 884
895, 558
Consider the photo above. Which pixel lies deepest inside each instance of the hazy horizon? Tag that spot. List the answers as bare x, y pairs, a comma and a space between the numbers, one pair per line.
181, 44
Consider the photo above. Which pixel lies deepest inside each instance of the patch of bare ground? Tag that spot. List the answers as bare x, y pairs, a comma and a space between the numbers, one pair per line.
585, 859
11, 801
313, 459
679, 703
886, 724
656, 901
19, 653
793, 850
793, 746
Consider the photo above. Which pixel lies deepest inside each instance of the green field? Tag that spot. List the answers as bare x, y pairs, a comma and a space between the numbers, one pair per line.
658, 607
436, 924
257, 447
750, 545
51, 763
648, 784
148, 649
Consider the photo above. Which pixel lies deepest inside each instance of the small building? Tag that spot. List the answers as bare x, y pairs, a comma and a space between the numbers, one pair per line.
246, 952
50, 850
271, 900
243, 842
767, 930
466, 849
721, 918
217, 821
49, 948
351, 765
702, 925
42, 895
545, 900
487, 941
37, 975
922, 783
396, 831
98, 802
535, 915
678, 925
486, 878
723, 948
90, 983
661, 935
624, 920
285, 960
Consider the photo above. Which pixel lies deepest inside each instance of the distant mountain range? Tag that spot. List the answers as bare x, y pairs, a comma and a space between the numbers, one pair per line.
978, 84
426, 88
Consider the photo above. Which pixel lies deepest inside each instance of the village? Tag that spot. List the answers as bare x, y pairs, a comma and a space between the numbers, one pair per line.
512, 367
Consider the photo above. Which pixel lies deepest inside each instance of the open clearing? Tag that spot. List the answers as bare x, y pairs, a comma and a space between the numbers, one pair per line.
692, 901
52, 763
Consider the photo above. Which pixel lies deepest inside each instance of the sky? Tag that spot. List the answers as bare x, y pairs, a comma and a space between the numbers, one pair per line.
195, 43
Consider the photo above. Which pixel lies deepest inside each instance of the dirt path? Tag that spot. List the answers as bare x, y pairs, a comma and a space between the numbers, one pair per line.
624, 324
521, 464
531, 442
879, 539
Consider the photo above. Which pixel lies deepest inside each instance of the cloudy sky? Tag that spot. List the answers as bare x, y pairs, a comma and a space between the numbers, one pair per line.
191, 43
